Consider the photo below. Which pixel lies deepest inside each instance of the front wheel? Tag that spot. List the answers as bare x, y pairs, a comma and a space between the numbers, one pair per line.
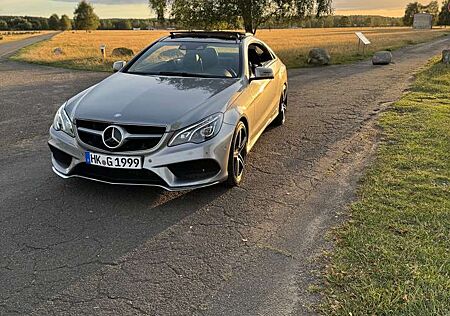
238, 153
281, 118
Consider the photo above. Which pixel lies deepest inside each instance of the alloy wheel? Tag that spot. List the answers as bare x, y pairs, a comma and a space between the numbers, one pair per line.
238, 153
281, 118
283, 105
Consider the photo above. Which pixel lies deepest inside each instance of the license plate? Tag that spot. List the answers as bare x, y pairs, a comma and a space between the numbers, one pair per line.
117, 162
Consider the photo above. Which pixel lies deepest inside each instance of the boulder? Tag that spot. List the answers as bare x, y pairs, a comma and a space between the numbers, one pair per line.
122, 51
446, 56
1, 37
382, 58
58, 51
319, 56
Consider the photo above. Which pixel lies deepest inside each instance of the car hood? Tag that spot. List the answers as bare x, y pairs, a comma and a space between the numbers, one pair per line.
175, 102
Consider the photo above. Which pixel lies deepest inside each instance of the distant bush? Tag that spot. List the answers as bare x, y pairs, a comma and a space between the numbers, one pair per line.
122, 25
3, 25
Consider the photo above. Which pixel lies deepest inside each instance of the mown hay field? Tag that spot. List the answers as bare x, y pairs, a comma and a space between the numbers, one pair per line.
81, 50
19, 35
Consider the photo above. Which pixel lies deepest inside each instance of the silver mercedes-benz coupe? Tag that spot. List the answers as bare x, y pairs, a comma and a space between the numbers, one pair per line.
183, 114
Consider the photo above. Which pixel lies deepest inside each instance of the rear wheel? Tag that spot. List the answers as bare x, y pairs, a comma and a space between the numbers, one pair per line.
238, 153
281, 118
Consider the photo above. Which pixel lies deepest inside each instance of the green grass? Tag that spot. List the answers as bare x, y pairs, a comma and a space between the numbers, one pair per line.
393, 256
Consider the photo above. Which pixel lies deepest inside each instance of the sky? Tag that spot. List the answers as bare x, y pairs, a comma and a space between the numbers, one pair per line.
139, 8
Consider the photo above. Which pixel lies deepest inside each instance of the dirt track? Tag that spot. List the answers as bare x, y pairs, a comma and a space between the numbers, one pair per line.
77, 247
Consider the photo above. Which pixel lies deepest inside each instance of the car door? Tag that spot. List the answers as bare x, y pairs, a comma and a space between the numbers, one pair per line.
266, 91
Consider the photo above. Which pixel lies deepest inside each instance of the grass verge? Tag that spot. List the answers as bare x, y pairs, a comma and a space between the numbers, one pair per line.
393, 256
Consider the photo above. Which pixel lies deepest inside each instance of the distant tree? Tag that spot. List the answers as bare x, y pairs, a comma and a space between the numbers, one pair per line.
85, 17
433, 9
411, 9
64, 23
44, 24
53, 22
368, 21
106, 25
136, 24
307, 23
144, 25
345, 21
444, 15
210, 14
24, 26
415, 7
35, 24
4, 25
123, 25
159, 6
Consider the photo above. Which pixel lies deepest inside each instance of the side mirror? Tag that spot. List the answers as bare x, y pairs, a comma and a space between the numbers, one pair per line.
118, 65
263, 73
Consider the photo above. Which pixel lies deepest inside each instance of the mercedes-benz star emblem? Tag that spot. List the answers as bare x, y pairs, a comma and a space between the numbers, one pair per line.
113, 136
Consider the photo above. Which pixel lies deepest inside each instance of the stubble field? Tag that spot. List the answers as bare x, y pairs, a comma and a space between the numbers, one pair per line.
81, 49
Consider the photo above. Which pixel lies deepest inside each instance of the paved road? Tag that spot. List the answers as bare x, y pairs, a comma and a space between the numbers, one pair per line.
9, 48
81, 248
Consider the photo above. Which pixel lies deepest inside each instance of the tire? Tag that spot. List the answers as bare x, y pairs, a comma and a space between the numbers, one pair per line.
281, 118
238, 153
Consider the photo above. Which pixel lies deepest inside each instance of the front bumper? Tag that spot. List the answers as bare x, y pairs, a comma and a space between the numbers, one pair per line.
181, 167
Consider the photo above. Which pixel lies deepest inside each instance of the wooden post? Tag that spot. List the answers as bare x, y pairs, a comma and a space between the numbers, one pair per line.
103, 51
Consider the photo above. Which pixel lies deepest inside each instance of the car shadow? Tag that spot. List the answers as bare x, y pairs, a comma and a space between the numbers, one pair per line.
68, 229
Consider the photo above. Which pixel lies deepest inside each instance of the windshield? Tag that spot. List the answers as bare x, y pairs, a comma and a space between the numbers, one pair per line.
189, 59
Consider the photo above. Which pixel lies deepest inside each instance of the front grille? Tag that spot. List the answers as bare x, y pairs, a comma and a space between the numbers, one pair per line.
121, 176
145, 137
195, 170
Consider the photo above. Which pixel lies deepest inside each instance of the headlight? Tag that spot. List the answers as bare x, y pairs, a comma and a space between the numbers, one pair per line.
199, 132
62, 122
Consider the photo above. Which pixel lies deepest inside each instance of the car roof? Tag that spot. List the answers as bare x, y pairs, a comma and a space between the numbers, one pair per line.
218, 36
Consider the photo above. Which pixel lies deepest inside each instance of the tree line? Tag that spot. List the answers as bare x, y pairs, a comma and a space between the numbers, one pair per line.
27, 23
16, 23
225, 14
84, 18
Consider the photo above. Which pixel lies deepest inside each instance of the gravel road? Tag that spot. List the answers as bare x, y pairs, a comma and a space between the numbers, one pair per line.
7, 49
82, 248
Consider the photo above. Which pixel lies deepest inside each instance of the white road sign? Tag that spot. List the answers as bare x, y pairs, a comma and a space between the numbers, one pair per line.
363, 38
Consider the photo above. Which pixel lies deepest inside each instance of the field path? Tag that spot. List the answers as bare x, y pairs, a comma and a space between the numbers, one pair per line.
82, 248
9, 48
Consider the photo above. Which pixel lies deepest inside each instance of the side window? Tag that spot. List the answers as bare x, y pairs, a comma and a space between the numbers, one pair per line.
258, 55
264, 53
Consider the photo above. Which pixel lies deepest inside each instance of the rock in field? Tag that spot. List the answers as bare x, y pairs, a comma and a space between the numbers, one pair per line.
122, 51
382, 58
446, 56
319, 56
58, 51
